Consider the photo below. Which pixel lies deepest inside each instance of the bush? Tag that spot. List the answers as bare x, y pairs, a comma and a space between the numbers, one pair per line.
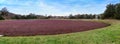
1, 18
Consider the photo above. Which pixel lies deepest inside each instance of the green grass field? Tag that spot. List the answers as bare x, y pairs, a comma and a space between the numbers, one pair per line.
106, 35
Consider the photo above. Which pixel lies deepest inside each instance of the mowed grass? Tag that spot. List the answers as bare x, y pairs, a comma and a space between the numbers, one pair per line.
106, 35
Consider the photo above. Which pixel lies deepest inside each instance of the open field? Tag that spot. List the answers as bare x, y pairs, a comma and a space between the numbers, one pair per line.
106, 35
45, 27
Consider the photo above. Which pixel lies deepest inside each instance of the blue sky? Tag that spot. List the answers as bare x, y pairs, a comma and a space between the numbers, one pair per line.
56, 7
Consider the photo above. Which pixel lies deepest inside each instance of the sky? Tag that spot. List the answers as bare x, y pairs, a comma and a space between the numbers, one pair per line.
56, 7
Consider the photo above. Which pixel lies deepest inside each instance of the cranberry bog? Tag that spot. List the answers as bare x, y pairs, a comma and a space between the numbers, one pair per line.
45, 27
106, 35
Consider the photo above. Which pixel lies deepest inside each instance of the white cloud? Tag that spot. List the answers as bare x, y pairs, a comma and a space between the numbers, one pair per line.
55, 8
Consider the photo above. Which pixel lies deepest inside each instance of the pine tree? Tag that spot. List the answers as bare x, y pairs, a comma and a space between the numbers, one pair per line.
71, 16
109, 12
117, 10
4, 11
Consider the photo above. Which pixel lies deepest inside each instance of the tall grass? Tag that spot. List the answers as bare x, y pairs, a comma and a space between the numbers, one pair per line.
107, 35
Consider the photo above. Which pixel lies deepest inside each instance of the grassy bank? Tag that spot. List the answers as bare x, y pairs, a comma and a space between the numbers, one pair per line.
107, 35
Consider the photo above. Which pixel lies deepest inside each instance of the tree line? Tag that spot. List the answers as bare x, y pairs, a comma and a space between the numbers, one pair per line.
112, 11
84, 16
5, 14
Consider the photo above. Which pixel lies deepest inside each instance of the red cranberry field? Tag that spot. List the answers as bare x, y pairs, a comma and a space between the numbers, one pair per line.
45, 27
